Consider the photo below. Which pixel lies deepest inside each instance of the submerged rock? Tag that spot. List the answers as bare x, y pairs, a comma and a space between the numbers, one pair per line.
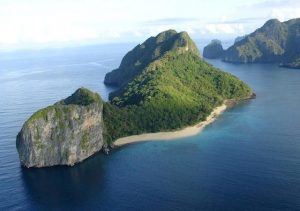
64, 133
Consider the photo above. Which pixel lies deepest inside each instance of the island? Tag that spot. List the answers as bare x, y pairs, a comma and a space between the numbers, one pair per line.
275, 42
65, 133
213, 50
163, 86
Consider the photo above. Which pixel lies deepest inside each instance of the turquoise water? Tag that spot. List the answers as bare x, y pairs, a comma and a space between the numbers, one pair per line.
249, 159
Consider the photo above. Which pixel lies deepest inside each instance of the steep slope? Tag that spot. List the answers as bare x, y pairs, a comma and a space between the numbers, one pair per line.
213, 50
173, 91
64, 133
239, 38
142, 55
275, 41
171, 88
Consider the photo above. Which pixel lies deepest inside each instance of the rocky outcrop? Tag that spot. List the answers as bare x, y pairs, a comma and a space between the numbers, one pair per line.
214, 50
64, 133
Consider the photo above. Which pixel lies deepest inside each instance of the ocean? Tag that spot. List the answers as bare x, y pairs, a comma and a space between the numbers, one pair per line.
248, 159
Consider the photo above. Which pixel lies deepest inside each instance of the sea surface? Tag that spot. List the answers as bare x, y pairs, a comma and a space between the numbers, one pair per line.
248, 159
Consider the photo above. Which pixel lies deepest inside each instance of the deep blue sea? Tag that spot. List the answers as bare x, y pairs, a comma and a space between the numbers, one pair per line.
249, 159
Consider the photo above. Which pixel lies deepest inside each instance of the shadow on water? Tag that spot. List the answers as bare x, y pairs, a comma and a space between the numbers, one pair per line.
64, 186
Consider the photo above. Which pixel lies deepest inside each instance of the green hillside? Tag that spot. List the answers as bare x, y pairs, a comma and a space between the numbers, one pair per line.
142, 55
275, 41
175, 90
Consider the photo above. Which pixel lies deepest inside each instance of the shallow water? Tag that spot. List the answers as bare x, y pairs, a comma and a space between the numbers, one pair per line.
249, 159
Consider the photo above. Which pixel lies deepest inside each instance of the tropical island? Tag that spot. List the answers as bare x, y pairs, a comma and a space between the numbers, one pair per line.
275, 42
163, 86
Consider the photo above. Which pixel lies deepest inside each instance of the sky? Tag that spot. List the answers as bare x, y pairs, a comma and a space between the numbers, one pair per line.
44, 23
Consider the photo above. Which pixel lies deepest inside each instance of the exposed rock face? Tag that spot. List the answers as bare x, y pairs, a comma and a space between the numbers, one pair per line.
64, 133
214, 50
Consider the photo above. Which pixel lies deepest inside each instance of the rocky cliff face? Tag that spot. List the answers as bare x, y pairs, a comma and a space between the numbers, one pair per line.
64, 133
214, 50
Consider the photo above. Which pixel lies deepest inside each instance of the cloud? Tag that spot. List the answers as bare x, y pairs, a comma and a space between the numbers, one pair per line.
241, 20
274, 4
284, 14
99, 21
280, 9
167, 21
226, 28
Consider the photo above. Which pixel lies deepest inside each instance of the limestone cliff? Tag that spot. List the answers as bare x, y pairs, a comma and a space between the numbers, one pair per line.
213, 50
64, 133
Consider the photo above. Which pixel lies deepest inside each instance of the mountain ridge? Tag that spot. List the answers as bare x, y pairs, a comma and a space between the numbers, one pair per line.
143, 54
274, 42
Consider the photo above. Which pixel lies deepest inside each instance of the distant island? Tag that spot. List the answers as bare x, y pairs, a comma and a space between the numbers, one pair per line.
163, 85
213, 50
275, 42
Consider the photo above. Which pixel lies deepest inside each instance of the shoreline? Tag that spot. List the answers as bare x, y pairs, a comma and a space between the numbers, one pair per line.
173, 135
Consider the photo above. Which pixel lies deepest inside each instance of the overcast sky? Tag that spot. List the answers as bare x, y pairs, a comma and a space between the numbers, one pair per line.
32, 23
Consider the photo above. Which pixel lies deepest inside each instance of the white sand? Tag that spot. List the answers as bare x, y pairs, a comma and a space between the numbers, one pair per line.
167, 136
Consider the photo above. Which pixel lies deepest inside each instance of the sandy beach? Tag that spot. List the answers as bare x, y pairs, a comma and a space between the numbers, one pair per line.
167, 136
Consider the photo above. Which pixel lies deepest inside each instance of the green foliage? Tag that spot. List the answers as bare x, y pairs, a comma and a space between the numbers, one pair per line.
172, 92
249, 52
84, 142
58, 110
82, 96
40, 114
168, 87
183, 77
275, 41
142, 55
